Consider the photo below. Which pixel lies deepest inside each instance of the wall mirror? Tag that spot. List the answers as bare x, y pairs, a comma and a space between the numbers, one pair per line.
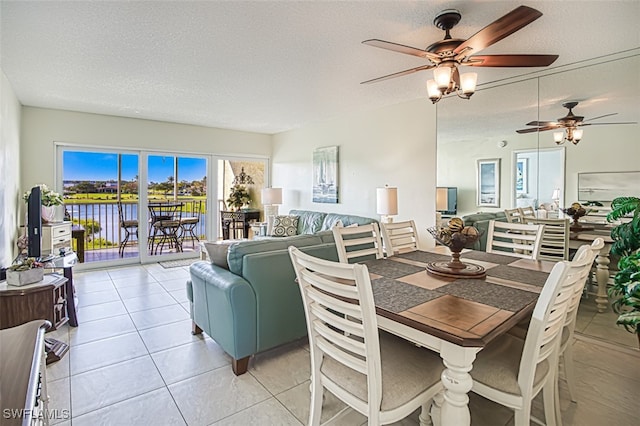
484, 127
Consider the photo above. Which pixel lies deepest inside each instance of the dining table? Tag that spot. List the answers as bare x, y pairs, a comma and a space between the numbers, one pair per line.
454, 316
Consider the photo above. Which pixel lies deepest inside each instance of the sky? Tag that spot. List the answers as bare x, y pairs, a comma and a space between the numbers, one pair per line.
78, 165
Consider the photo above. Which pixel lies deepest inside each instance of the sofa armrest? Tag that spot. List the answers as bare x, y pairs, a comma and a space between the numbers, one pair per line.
224, 306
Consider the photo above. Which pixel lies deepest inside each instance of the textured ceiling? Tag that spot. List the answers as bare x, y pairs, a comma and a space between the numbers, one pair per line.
265, 66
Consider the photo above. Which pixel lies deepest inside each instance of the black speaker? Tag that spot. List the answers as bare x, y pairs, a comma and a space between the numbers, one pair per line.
34, 222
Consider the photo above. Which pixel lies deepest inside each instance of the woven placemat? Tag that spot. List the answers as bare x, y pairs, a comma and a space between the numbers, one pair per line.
496, 295
521, 275
396, 296
424, 257
488, 257
391, 269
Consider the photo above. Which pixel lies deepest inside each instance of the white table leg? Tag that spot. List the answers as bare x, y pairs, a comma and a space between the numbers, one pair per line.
602, 276
457, 382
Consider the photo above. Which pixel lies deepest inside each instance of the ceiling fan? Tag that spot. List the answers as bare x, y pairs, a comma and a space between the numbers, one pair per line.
445, 56
569, 122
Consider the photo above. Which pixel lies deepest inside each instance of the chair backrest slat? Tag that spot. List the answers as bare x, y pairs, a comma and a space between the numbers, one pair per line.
399, 237
514, 239
358, 242
555, 238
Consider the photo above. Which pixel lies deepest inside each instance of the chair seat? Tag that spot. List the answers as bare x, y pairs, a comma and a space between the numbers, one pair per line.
407, 371
189, 220
498, 364
129, 224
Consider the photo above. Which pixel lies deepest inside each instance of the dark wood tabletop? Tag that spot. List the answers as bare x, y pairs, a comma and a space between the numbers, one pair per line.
466, 312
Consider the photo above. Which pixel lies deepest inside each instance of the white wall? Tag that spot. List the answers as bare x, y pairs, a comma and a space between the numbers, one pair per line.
394, 145
42, 127
10, 194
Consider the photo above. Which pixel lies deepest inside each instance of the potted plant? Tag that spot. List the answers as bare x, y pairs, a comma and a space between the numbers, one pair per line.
626, 284
238, 197
27, 271
50, 200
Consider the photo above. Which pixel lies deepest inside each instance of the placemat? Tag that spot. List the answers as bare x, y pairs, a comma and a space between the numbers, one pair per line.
391, 269
396, 296
424, 257
522, 275
496, 295
482, 256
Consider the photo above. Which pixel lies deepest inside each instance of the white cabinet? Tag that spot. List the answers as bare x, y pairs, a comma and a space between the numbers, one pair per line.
56, 236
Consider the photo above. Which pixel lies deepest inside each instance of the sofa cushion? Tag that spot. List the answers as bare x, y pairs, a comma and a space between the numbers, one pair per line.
309, 222
346, 219
239, 250
285, 226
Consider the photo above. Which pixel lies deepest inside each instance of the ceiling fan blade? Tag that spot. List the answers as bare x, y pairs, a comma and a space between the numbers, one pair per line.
543, 123
400, 48
399, 74
600, 124
538, 129
601, 116
511, 60
500, 28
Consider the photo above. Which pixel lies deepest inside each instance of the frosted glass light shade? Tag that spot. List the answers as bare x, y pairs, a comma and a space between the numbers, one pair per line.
468, 82
442, 76
272, 196
432, 89
387, 201
558, 136
577, 135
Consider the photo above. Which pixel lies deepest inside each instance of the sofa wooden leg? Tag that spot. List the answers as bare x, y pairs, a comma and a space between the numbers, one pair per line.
195, 329
240, 366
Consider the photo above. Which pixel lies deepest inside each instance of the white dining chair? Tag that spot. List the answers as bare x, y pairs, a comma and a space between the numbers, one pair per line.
514, 239
399, 237
555, 238
375, 373
526, 212
511, 371
513, 215
581, 265
358, 243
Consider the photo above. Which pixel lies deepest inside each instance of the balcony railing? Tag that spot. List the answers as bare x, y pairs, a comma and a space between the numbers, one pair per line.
103, 232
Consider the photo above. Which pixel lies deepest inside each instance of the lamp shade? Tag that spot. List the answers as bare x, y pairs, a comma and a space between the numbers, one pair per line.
556, 194
387, 201
442, 199
272, 196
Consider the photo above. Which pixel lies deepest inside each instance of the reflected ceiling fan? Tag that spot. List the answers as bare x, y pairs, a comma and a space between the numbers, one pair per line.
570, 122
445, 56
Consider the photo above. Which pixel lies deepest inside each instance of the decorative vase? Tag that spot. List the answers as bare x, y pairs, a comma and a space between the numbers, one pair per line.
48, 213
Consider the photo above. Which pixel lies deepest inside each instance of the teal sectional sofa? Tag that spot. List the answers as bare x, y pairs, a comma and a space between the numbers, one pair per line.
255, 304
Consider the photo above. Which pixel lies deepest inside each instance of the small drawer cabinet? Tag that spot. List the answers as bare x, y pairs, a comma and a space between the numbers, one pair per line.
56, 236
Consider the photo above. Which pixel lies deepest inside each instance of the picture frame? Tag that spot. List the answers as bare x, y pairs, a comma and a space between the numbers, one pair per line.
325, 175
488, 182
607, 186
522, 176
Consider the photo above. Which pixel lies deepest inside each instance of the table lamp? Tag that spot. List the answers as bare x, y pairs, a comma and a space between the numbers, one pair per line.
556, 198
387, 203
271, 199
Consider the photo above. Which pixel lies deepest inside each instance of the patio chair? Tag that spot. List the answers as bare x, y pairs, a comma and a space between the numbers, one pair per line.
188, 224
379, 375
130, 227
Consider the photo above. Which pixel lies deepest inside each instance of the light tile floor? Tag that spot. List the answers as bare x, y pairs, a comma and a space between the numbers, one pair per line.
133, 361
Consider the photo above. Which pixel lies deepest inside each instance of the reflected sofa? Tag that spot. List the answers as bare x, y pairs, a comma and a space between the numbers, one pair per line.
253, 303
481, 222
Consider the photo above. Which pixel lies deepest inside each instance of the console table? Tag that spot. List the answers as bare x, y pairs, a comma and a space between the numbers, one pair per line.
230, 218
46, 300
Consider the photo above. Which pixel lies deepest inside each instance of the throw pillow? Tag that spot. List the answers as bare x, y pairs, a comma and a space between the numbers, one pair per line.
218, 252
285, 226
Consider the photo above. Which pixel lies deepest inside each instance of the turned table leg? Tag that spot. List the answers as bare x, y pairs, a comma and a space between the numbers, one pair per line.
602, 276
457, 383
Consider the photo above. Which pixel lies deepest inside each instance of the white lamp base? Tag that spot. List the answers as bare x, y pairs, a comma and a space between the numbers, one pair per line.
270, 212
386, 219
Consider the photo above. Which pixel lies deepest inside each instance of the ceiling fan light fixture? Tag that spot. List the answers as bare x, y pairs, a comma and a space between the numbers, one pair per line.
433, 91
442, 76
558, 137
577, 136
468, 82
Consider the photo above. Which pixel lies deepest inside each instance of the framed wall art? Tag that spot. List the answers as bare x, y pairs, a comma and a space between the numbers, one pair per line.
488, 182
607, 186
522, 176
325, 175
